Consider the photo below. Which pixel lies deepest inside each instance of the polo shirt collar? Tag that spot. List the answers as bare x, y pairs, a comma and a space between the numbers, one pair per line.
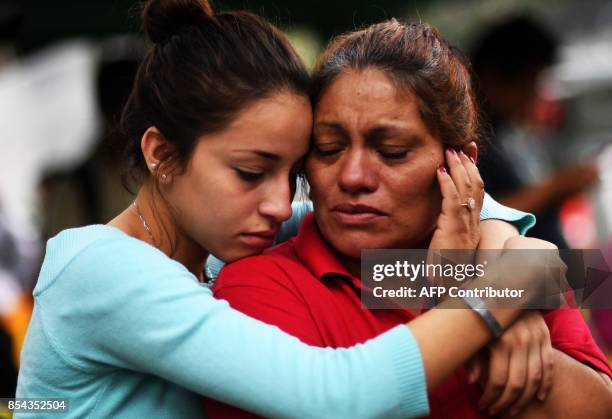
319, 258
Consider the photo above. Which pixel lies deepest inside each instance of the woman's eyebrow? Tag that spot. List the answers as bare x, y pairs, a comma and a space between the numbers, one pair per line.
331, 125
261, 153
385, 131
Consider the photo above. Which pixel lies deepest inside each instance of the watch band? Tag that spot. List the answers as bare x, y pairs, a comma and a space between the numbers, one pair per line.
479, 306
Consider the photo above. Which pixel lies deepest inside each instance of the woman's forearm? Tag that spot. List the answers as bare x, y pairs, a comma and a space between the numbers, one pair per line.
494, 233
448, 338
578, 391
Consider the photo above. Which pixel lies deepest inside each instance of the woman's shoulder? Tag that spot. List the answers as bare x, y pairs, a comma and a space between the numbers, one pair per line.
278, 264
97, 251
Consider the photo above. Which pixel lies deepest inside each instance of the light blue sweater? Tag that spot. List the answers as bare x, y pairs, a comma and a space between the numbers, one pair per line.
122, 331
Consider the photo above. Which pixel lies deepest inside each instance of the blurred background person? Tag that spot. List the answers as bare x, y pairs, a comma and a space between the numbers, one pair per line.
549, 144
509, 59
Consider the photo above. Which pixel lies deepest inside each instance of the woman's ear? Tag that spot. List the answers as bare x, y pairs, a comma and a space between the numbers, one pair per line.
157, 154
471, 150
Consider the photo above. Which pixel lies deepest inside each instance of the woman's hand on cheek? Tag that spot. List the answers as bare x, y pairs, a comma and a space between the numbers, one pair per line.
458, 224
519, 366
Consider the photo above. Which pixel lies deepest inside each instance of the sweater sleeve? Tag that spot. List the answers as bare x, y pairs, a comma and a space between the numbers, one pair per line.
124, 305
491, 209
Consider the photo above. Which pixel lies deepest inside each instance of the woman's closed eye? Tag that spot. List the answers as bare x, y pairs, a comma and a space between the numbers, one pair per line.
393, 153
249, 175
329, 149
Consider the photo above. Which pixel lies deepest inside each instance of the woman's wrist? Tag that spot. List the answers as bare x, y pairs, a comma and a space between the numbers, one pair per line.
480, 307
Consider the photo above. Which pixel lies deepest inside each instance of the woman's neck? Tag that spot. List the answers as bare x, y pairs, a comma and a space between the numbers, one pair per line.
353, 265
149, 219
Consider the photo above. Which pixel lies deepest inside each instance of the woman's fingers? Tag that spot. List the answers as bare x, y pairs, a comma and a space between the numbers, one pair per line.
453, 224
547, 370
477, 188
517, 376
450, 195
458, 225
498, 376
475, 178
459, 174
533, 381
529, 365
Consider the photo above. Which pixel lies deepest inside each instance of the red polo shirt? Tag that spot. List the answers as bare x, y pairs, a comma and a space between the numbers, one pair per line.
301, 287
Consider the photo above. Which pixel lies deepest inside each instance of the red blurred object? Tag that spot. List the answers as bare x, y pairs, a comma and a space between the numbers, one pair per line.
577, 218
548, 115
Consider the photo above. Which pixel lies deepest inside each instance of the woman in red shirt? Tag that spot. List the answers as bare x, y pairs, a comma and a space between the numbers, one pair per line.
393, 103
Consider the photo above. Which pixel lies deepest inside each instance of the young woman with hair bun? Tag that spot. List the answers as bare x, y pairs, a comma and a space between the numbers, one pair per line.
217, 124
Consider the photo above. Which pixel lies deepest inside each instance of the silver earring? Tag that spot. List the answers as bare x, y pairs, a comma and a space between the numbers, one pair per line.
153, 166
164, 177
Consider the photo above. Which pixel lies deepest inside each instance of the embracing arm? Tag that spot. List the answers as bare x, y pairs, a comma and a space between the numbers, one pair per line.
465, 329
158, 320
499, 223
152, 316
494, 233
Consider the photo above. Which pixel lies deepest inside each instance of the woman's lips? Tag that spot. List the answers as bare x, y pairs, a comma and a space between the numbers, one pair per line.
356, 214
259, 239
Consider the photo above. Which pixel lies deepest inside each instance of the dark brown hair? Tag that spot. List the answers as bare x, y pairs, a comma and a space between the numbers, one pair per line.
415, 57
200, 71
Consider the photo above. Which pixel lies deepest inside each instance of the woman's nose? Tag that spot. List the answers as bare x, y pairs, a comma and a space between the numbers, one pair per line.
277, 204
357, 173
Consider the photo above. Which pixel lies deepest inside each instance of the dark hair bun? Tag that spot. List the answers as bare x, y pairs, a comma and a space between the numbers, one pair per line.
164, 18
